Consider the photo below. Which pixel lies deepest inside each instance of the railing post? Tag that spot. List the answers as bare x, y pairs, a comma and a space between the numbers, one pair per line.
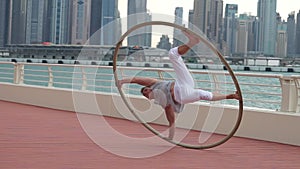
84, 81
50, 83
215, 82
297, 84
289, 95
160, 74
18, 73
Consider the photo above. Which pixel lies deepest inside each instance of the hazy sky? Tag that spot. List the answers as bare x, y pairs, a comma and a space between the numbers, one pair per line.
284, 7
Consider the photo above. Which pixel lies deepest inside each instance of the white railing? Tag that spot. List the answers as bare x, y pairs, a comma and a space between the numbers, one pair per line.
276, 92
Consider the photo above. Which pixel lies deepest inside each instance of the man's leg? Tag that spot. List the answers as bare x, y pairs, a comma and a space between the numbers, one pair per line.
184, 86
183, 75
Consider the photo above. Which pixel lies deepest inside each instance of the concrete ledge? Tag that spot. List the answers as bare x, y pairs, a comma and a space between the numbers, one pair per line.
256, 123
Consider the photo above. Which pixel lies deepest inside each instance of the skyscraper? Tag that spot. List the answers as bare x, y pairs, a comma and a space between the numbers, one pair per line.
4, 15
208, 17
201, 15
61, 22
267, 26
291, 33
242, 35
47, 20
109, 14
34, 21
281, 40
252, 33
104, 28
80, 21
137, 13
96, 15
178, 21
297, 46
17, 22
216, 22
230, 20
191, 19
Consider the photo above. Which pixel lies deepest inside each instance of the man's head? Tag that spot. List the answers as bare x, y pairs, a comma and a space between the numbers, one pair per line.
146, 91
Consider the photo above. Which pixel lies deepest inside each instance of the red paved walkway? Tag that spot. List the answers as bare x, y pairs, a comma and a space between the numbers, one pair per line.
40, 138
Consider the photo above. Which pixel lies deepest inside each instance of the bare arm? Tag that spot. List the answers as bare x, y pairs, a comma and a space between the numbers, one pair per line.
138, 80
217, 96
171, 119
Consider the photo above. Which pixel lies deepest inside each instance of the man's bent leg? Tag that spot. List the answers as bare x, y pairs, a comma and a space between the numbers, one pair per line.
183, 75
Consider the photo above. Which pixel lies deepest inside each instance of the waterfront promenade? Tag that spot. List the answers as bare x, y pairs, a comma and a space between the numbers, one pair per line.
41, 138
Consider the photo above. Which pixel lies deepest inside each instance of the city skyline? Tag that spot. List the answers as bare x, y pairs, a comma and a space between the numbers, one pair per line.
78, 22
168, 7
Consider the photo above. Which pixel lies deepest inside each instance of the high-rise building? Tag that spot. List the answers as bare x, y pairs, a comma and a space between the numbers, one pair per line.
111, 31
208, 17
191, 19
47, 21
60, 32
291, 34
297, 46
216, 22
4, 15
81, 15
137, 13
17, 22
164, 43
281, 40
267, 26
242, 35
104, 30
95, 23
201, 15
252, 33
34, 21
34, 18
178, 20
136, 6
230, 20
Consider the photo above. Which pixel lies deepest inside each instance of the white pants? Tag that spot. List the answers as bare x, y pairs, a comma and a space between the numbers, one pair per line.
184, 90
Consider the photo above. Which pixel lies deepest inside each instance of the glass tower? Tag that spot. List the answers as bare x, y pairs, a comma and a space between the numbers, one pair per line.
291, 34
230, 22
297, 47
34, 21
137, 13
104, 30
61, 22
4, 13
267, 26
178, 21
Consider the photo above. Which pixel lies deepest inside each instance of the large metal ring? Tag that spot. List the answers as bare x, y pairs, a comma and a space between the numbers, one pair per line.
228, 68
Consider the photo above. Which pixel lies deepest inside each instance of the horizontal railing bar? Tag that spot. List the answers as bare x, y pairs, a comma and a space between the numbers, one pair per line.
35, 75
6, 68
265, 101
6, 78
32, 80
7, 73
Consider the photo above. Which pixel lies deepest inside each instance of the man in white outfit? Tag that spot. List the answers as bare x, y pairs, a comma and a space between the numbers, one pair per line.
172, 95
